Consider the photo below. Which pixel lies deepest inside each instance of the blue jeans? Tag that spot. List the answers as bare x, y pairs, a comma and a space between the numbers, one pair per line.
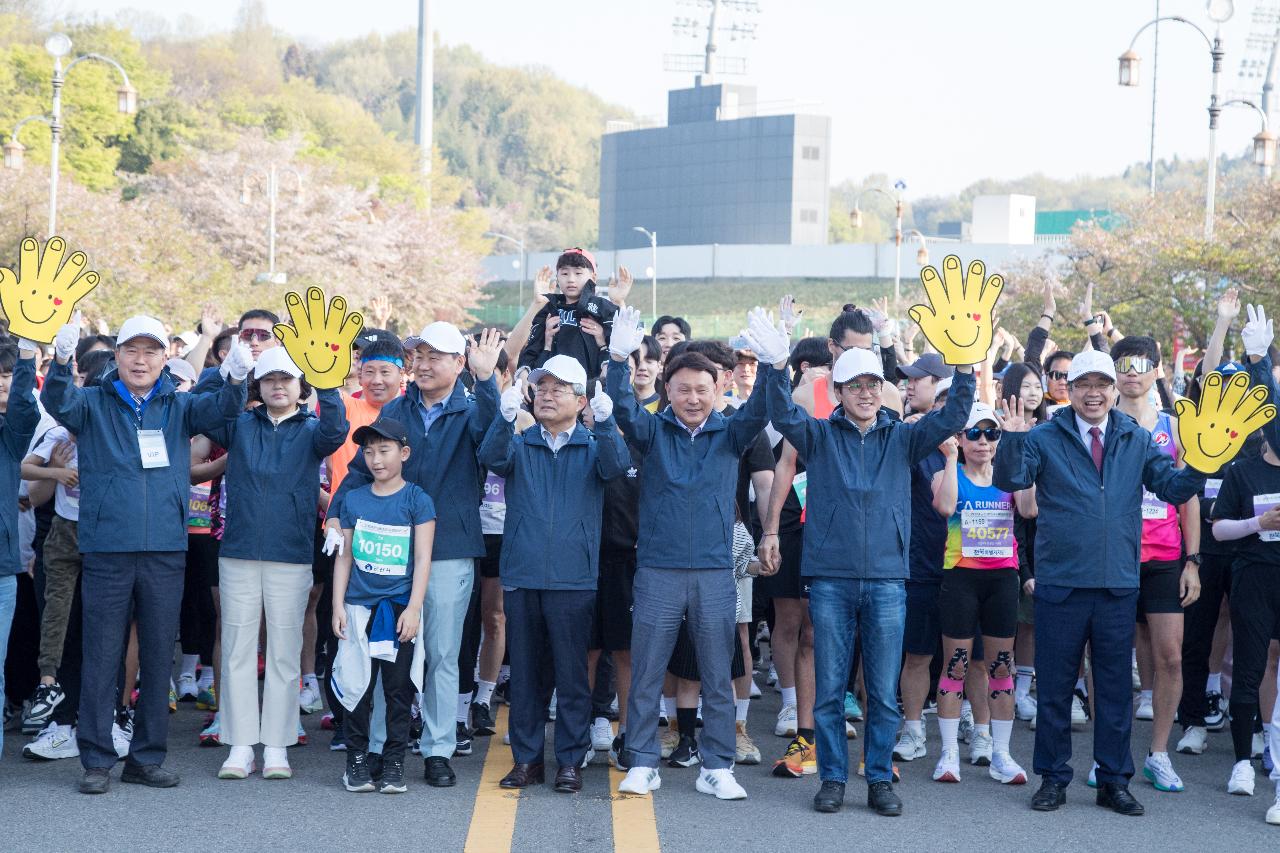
8, 600
843, 610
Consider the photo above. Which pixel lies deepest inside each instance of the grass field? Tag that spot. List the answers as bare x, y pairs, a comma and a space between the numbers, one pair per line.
717, 309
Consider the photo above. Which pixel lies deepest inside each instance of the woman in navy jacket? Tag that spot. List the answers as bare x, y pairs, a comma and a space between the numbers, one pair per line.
274, 454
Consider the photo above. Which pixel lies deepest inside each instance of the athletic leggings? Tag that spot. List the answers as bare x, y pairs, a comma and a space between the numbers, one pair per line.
1255, 621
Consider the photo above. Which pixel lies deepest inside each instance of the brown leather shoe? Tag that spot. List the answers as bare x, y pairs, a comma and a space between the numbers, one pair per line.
569, 780
523, 775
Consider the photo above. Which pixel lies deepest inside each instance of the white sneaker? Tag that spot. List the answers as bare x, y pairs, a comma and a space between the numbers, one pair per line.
1273, 813
275, 763
53, 742
850, 733
1194, 740
187, 687
1241, 781
910, 747
965, 733
948, 769
1145, 711
1093, 776
239, 764
1159, 772
1258, 746
1031, 724
1025, 707
551, 709
755, 690
309, 699
640, 780
981, 749
786, 725
121, 739
1079, 719
589, 757
1005, 770
601, 735
720, 784
1133, 674
772, 680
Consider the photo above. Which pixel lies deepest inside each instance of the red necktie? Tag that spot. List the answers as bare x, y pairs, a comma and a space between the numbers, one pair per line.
1095, 447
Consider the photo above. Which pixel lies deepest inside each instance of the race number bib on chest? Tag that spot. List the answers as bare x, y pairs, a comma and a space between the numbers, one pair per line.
1153, 509
495, 489
199, 510
1262, 503
986, 533
381, 549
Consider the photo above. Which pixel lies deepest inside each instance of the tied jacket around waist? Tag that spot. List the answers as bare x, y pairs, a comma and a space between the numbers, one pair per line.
273, 479
17, 426
687, 482
124, 507
1089, 530
442, 463
858, 504
551, 538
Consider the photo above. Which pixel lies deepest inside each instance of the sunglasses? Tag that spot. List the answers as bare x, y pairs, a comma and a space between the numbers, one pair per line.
1059, 375
1134, 364
990, 433
260, 335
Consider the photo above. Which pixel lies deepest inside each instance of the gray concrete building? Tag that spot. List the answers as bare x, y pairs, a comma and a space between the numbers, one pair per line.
717, 173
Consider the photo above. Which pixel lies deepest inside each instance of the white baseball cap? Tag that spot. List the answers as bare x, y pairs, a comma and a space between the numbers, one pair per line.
142, 326
943, 386
1091, 361
981, 412
180, 368
440, 336
563, 367
275, 360
857, 362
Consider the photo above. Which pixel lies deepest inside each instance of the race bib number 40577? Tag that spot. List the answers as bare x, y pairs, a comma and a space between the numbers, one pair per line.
986, 533
381, 549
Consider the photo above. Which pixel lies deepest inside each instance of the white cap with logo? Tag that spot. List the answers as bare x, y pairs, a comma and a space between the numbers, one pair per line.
1091, 361
857, 362
440, 336
142, 326
563, 367
275, 360
981, 412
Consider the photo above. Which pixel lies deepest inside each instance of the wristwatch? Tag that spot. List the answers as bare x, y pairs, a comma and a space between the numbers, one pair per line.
1194, 558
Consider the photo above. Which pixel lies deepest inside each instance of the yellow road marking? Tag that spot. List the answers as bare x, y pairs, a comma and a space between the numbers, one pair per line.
493, 821
635, 826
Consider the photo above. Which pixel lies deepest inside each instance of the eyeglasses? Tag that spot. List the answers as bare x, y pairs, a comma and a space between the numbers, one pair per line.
557, 392
989, 433
1134, 364
872, 387
259, 335
1059, 375
1091, 388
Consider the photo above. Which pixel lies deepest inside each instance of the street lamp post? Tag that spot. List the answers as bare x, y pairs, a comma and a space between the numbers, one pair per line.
1264, 144
653, 247
58, 46
856, 216
1130, 63
524, 260
272, 180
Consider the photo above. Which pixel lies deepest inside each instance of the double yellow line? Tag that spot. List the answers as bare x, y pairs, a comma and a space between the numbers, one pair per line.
493, 820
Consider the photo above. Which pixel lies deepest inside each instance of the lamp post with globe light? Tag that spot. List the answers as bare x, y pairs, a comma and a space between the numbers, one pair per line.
522, 263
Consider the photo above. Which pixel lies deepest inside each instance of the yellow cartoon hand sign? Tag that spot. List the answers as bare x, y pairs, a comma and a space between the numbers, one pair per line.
319, 341
40, 298
957, 320
1213, 433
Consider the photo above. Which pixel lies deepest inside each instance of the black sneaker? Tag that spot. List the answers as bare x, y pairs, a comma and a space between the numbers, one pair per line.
463, 745
43, 701
502, 694
392, 776
883, 800
686, 753
438, 773
482, 723
375, 766
339, 742
830, 798
1216, 719
618, 753
357, 778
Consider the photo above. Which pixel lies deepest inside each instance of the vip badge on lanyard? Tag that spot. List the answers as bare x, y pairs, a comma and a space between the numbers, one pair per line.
152, 449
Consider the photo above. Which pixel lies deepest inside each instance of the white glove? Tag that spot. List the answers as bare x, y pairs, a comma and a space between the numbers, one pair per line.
334, 542
1258, 333
788, 313
64, 343
601, 404
238, 362
509, 403
26, 345
770, 343
627, 334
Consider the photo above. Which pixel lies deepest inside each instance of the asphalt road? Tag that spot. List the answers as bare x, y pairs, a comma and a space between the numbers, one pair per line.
43, 812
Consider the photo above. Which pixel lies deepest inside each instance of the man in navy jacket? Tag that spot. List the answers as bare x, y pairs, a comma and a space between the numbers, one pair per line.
684, 559
555, 474
134, 435
446, 426
1089, 465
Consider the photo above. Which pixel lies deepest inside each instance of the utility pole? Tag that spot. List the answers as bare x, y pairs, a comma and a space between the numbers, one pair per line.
422, 129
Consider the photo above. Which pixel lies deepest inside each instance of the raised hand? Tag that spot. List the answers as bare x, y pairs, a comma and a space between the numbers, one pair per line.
1258, 333
1050, 305
1086, 306
542, 285
1014, 417
210, 321
64, 342
620, 287
601, 404
627, 334
319, 341
1213, 432
790, 315
40, 298
509, 402
381, 307
950, 448
1229, 305
957, 319
482, 357
769, 342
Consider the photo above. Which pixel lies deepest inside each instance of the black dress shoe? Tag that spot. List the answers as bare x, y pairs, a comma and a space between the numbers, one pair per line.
1050, 796
569, 780
438, 773
523, 775
151, 775
830, 798
96, 780
1116, 796
880, 796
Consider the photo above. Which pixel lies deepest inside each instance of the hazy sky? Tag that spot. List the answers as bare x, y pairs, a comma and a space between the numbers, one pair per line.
937, 92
